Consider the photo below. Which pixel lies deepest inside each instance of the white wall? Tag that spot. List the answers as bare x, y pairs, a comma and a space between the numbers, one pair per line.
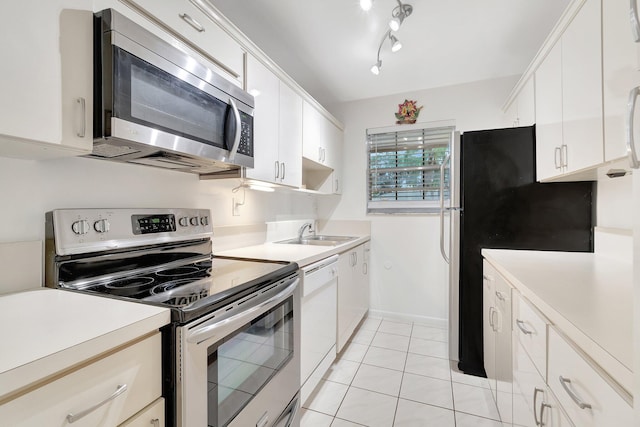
409, 276
28, 189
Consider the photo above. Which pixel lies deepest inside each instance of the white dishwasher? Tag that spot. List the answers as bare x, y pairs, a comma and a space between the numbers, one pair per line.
318, 322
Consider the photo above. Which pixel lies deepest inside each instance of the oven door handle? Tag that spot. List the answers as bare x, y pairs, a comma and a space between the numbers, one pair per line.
208, 329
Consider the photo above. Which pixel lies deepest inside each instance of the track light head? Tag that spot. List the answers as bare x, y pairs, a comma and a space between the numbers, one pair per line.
395, 43
366, 5
375, 68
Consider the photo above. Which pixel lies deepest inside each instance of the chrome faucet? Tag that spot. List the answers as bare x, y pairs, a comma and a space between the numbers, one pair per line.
304, 227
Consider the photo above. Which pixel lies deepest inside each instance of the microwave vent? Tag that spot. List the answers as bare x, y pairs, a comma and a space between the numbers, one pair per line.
110, 151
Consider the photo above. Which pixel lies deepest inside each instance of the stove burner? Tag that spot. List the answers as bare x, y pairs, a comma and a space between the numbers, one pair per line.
179, 271
167, 286
178, 296
128, 287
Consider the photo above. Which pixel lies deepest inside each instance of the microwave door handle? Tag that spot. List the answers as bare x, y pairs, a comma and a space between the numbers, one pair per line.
236, 138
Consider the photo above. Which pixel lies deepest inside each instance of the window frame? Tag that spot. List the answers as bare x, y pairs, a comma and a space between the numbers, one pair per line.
414, 207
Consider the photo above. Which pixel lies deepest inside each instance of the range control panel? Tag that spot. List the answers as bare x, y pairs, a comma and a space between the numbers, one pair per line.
88, 230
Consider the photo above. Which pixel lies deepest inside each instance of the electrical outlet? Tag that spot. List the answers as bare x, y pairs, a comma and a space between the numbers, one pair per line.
235, 207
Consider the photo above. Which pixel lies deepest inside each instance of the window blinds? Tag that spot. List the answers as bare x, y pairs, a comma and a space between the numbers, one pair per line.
404, 169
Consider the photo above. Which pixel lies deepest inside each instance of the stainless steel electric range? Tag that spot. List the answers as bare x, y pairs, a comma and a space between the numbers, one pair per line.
231, 355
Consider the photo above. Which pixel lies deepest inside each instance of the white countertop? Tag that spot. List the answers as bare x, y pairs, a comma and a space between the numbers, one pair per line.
45, 331
589, 297
301, 254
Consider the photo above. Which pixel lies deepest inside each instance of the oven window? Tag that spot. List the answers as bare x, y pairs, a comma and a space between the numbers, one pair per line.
241, 365
149, 96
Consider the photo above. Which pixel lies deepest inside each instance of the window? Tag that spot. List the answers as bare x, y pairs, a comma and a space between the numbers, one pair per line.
404, 169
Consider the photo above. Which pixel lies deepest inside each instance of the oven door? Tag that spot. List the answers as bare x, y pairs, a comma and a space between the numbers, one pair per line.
240, 366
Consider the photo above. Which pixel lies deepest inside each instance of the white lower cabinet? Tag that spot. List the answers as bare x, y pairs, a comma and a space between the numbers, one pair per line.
497, 338
104, 393
151, 416
533, 403
353, 291
553, 382
587, 395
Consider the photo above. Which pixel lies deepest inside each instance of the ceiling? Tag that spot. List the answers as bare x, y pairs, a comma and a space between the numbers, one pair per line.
329, 46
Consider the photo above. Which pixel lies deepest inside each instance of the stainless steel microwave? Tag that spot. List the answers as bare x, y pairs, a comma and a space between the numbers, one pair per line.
157, 105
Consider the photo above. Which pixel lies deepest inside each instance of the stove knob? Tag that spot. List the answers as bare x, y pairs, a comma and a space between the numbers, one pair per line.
101, 226
184, 221
204, 220
80, 227
194, 220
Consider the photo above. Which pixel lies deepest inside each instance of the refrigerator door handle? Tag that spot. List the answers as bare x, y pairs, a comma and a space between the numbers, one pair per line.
631, 109
442, 249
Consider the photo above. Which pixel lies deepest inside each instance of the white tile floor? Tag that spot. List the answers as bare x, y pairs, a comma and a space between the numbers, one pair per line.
398, 374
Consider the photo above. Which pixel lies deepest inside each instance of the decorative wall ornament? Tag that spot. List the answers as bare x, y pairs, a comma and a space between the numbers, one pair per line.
408, 112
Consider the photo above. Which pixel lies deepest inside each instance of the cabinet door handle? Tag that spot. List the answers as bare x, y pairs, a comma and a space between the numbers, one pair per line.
83, 121
365, 269
337, 185
320, 154
189, 20
524, 330
277, 169
635, 24
535, 405
631, 110
565, 384
500, 296
557, 155
492, 322
73, 417
564, 156
283, 169
486, 277
155, 422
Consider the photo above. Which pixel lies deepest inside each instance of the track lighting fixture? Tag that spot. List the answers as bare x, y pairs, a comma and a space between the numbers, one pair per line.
398, 14
366, 5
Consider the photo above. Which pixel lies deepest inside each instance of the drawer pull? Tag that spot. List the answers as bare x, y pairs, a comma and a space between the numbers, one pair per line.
72, 418
535, 404
524, 330
572, 394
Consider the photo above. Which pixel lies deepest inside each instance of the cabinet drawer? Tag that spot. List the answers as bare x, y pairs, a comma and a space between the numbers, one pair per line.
151, 416
531, 330
137, 366
582, 379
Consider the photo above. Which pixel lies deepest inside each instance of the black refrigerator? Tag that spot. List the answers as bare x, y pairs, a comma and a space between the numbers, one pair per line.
503, 207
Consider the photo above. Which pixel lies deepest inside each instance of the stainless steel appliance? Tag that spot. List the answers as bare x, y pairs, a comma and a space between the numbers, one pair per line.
156, 105
231, 356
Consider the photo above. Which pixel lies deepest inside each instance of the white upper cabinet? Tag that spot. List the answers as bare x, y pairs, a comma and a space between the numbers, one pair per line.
568, 98
582, 89
322, 140
266, 88
548, 94
290, 147
277, 127
620, 74
192, 21
47, 79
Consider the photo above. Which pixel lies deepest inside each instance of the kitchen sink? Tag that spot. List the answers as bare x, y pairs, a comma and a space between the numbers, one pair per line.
318, 240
